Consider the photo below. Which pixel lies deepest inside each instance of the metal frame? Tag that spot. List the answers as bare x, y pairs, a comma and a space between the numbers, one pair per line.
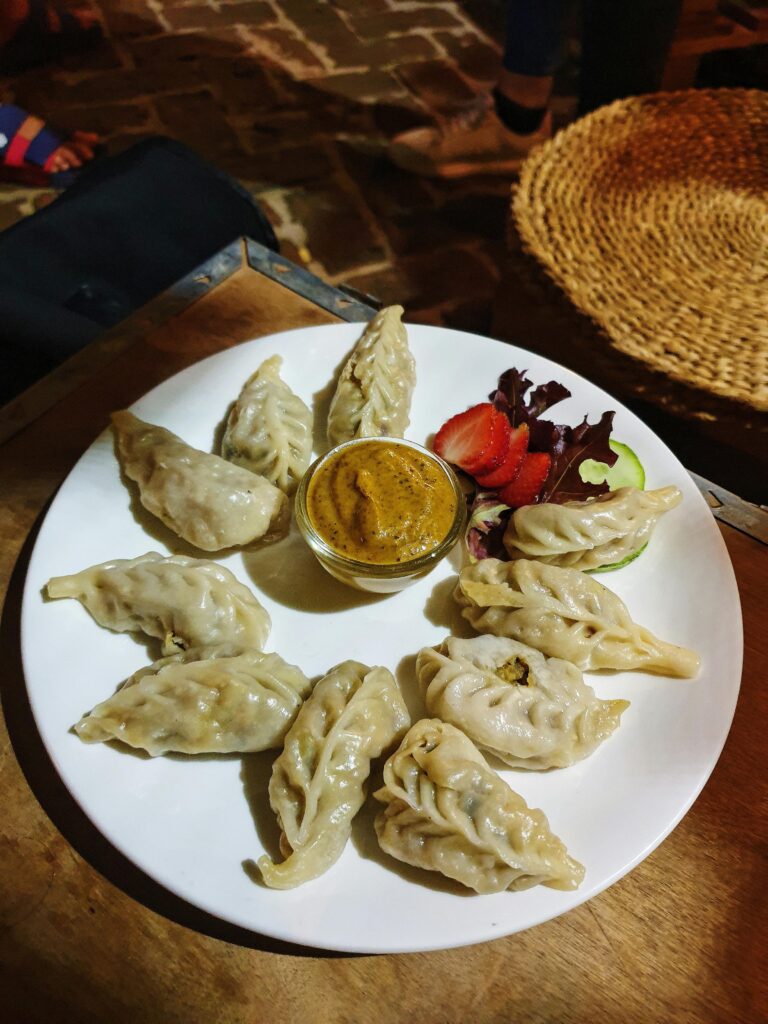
345, 303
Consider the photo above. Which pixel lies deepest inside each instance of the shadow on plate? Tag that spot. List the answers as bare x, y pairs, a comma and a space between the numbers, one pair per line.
321, 404
151, 644
221, 428
69, 819
255, 773
405, 673
441, 610
288, 572
367, 845
157, 530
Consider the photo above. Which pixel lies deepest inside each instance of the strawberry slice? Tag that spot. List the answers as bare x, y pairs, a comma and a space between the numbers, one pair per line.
476, 440
525, 487
507, 470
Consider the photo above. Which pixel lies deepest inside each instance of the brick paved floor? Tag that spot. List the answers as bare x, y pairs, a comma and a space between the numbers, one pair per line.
296, 98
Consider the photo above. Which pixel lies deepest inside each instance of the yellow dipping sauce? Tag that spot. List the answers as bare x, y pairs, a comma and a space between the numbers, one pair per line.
381, 503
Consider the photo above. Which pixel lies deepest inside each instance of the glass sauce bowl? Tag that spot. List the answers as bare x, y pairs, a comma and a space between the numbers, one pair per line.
376, 576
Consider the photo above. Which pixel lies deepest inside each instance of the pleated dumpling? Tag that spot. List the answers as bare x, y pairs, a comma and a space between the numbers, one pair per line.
566, 614
185, 602
447, 811
207, 700
588, 534
529, 710
204, 499
353, 715
269, 430
373, 395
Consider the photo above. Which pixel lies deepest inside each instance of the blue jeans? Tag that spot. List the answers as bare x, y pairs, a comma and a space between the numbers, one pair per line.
624, 43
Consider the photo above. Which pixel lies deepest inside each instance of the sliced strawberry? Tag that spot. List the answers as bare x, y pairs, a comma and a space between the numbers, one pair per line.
525, 487
476, 440
507, 470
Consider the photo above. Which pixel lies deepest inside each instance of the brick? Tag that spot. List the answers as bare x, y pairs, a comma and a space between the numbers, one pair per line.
98, 58
290, 165
250, 12
392, 118
119, 143
414, 223
312, 16
186, 47
130, 18
271, 129
111, 86
284, 49
310, 114
417, 231
321, 98
429, 279
353, 6
478, 214
373, 26
474, 315
436, 84
473, 55
104, 120
337, 235
389, 191
197, 120
363, 86
332, 114
241, 84
399, 50
323, 25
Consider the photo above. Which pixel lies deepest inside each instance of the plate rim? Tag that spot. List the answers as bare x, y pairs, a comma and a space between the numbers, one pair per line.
352, 330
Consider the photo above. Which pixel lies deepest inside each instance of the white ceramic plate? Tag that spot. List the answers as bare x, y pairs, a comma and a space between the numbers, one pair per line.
192, 823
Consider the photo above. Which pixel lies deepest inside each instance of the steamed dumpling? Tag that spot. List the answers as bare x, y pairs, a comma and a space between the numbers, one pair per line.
373, 395
209, 700
588, 534
447, 811
566, 614
185, 602
528, 710
354, 714
269, 430
203, 498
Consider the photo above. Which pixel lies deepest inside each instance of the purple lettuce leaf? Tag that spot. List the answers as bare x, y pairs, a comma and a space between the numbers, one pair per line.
485, 528
510, 397
571, 447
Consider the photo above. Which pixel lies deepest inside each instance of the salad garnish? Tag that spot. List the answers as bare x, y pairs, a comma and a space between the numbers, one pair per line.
512, 456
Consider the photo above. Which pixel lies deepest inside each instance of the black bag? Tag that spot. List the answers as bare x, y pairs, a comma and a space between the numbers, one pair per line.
128, 228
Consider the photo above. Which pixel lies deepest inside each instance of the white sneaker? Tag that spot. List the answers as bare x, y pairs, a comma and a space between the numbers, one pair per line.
473, 141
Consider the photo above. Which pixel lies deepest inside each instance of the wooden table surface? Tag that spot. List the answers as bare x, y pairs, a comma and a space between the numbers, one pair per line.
85, 936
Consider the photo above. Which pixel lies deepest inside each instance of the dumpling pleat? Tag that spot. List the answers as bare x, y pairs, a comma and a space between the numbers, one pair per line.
447, 811
565, 614
354, 714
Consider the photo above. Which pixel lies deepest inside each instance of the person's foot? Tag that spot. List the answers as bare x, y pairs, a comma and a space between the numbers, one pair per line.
473, 141
32, 154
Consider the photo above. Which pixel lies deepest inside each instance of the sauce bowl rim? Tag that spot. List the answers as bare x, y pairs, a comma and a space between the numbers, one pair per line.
379, 570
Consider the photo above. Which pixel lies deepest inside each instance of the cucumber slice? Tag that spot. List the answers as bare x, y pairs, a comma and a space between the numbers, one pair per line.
618, 565
627, 470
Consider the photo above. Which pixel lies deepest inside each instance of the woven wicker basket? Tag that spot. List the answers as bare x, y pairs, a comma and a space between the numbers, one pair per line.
652, 215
